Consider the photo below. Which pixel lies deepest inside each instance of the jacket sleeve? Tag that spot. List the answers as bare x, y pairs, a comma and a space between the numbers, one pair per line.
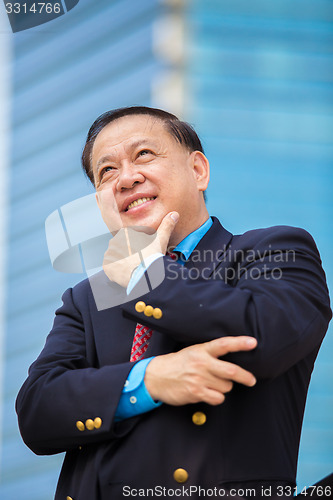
65, 401
270, 286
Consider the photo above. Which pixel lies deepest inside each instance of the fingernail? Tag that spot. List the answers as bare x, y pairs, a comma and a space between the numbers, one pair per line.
251, 342
174, 216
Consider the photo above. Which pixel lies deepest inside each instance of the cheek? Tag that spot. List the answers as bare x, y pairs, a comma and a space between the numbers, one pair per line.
106, 199
109, 209
171, 182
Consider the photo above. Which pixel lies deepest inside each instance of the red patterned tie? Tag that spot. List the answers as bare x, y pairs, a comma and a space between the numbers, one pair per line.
140, 341
143, 334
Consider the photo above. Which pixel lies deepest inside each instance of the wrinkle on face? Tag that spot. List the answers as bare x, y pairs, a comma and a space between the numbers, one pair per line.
145, 160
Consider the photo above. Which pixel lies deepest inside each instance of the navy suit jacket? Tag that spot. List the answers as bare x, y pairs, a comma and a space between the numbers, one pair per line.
266, 283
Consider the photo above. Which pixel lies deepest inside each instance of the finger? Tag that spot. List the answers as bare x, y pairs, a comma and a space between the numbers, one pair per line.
224, 345
219, 384
213, 397
165, 229
225, 370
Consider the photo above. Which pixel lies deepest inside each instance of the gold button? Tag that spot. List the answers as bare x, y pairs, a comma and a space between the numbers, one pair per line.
69, 498
140, 306
97, 423
80, 448
199, 418
90, 424
157, 313
180, 475
148, 310
80, 425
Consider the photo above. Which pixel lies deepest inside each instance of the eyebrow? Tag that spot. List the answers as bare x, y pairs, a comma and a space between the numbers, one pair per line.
104, 159
132, 145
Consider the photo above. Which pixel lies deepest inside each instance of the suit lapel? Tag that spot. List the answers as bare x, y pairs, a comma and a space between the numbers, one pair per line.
210, 250
114, 333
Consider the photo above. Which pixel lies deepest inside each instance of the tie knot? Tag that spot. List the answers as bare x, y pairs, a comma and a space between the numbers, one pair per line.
176, 255
173, 255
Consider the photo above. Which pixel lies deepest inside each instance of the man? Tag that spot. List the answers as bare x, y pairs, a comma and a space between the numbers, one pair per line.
212, 394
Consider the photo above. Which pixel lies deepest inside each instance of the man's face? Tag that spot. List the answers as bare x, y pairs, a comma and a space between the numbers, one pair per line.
141, 173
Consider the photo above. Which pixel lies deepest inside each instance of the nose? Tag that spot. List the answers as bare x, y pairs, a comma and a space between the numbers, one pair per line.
128, 177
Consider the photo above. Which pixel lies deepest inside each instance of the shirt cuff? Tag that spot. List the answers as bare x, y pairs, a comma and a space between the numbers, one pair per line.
135, 399
140, 271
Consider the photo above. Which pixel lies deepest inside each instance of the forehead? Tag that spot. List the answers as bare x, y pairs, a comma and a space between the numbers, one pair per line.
130, 129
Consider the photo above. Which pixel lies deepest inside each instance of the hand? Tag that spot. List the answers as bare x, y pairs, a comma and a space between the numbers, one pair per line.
195, 374
122, 255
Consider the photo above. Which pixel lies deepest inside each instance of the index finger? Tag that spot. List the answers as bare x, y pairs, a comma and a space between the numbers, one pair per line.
224, 345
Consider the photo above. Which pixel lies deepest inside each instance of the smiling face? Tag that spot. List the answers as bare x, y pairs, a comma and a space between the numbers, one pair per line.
141, 173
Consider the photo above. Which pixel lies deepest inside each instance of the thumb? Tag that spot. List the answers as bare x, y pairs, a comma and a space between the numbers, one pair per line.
165, 229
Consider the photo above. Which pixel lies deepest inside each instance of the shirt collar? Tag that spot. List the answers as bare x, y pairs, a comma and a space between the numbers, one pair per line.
188, 244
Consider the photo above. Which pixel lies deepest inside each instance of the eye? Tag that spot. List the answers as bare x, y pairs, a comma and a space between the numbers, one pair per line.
145, 152
105, 170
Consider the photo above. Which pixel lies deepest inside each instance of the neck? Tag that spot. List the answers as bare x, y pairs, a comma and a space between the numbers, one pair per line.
184, 230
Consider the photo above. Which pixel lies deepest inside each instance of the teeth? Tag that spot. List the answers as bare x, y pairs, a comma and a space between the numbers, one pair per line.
139, 202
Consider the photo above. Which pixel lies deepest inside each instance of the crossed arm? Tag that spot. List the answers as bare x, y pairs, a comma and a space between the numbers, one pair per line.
194, 374
287, 321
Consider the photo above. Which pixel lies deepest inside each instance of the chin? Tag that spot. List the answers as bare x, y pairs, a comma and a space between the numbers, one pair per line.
148, 222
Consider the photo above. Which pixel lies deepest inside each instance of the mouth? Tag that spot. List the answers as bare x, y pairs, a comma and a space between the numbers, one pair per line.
139, 201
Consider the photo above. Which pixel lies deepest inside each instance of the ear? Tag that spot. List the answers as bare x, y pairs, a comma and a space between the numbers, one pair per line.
200, 165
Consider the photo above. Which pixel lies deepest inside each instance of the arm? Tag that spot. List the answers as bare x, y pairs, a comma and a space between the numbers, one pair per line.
288, 316
64, 388
68, 402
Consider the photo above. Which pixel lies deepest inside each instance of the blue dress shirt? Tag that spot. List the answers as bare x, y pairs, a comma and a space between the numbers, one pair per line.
135, 399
